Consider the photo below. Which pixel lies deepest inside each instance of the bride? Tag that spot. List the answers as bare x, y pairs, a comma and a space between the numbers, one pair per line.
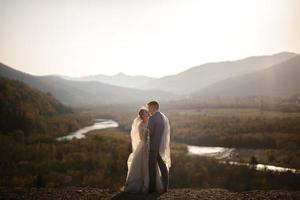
137, 180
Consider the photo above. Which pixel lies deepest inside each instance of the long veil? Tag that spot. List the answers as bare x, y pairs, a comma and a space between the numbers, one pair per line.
137, 179
135, 140
164, 148
134, 134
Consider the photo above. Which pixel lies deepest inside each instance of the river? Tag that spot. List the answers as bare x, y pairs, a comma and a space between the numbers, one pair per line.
220, 153
223, 153
98, 124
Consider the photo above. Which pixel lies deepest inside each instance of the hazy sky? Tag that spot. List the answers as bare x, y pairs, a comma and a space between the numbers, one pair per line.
154, 38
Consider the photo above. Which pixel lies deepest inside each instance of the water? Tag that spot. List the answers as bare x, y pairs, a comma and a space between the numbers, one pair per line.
263, 167
222, 153
98, 124
216, 152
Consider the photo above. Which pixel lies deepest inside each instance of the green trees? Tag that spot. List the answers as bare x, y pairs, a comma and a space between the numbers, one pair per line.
201, 172
30, 156
236, 131
100, 160
24, 108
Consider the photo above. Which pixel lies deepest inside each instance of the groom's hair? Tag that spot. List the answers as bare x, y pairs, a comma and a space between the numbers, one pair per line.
154, 104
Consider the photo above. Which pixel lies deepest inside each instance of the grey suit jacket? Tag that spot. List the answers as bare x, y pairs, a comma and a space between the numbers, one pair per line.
156, 129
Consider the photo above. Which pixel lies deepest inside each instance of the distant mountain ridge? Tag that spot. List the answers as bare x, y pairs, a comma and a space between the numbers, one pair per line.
210, 79
202, 76
282, 79
119, 79
78, 93
195, 78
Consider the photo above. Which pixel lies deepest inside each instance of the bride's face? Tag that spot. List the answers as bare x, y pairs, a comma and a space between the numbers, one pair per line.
145, 116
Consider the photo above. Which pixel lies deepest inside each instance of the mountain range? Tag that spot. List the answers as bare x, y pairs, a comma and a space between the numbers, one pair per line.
119, 79
274, 75
282, 79
195, 78
77, 93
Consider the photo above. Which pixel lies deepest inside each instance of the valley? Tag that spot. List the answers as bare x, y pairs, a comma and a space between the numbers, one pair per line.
254, 131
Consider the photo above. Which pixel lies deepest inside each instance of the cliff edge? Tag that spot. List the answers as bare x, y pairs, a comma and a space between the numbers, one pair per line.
85, 193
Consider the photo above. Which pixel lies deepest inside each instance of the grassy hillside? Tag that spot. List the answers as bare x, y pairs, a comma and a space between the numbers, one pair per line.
25, 110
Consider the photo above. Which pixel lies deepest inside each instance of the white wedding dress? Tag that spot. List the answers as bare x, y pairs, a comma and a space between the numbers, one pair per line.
137, 180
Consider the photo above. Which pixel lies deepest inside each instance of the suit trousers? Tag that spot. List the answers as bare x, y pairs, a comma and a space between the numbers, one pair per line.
154, 159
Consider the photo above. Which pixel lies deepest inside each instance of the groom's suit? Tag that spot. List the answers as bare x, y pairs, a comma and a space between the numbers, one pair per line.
156, 129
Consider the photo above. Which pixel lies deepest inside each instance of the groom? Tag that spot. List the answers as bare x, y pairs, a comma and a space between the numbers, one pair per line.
156, 129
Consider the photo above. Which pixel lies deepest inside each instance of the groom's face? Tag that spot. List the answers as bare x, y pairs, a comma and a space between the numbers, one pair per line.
151, 110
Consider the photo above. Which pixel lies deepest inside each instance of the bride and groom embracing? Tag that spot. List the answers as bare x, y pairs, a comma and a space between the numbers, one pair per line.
150, 161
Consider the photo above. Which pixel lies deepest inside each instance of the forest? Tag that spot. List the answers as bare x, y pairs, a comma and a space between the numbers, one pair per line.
32, 157
100, 161
273, 129
26, 110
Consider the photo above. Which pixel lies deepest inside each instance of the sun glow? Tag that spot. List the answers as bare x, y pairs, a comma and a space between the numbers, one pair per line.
153, 38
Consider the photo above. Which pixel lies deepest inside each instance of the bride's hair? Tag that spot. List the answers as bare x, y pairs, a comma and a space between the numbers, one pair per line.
141, 111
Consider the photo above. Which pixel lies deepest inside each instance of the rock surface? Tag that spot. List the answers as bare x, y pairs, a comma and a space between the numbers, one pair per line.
173, 194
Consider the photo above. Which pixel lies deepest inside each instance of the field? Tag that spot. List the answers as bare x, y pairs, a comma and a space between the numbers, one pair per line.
100, 161
38, 159
271, 135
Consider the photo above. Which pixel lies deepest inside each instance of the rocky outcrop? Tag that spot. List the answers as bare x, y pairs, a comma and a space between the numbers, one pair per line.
85, 193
